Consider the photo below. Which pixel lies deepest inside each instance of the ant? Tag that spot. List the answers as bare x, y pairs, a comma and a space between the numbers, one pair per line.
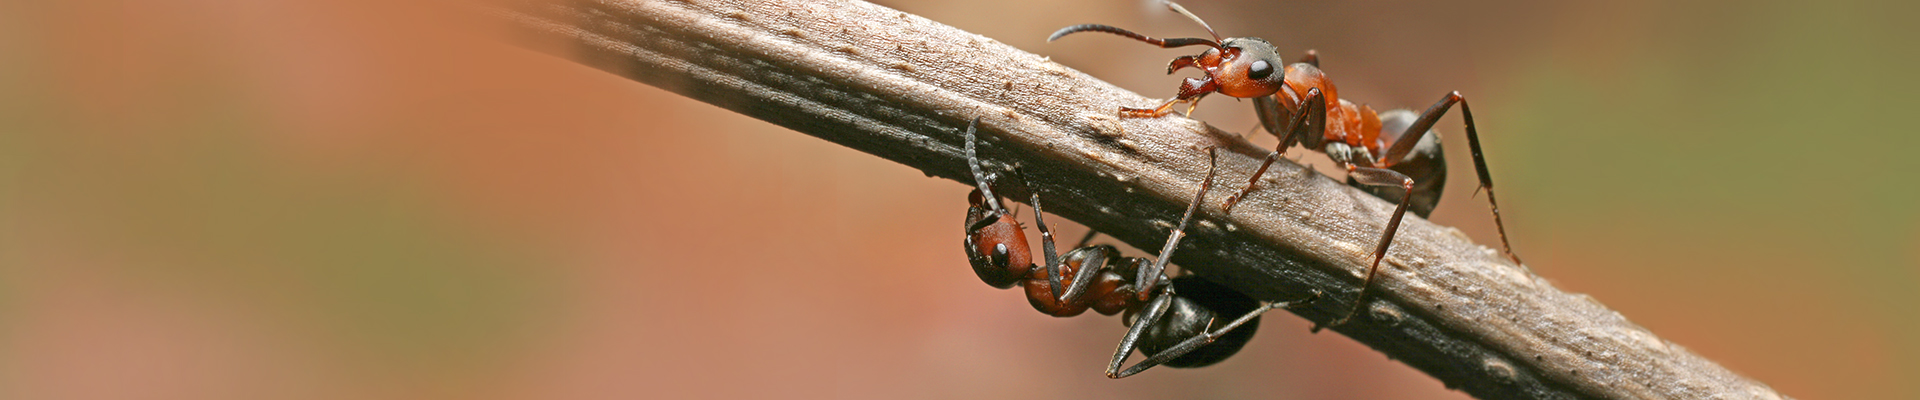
1178, 319
1248, 67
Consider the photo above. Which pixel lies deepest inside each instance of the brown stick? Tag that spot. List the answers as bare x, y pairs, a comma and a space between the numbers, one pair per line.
902, 87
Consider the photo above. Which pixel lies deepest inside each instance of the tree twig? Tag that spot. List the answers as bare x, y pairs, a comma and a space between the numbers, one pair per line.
901, 87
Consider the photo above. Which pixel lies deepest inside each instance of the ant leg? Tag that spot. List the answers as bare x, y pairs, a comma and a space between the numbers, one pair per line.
1411, 138
1311, 120
1311, 58
1191, 343
1191, 91
1148, 317
1378, 177
1268, 110
1151, 274
1157, 112
1090, 266
1046, 247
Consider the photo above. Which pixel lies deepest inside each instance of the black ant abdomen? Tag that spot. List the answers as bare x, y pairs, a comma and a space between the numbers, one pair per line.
1426, 164
1201, 305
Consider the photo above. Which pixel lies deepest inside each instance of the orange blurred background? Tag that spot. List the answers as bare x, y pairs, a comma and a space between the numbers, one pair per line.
286, 199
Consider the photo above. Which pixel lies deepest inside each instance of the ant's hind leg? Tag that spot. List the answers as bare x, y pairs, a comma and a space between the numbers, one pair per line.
1411, 139
1154, 311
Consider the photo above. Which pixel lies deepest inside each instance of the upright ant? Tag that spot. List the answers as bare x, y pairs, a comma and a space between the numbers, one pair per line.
1176, 323
1351, 135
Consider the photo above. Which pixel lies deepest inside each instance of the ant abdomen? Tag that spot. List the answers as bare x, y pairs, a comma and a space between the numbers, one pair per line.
1426, 164
1200, 306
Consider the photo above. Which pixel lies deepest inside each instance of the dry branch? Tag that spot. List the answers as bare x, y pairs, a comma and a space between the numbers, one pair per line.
901, 87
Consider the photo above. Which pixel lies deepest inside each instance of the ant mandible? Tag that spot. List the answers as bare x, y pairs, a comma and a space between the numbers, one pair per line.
1246, 67
1176, 324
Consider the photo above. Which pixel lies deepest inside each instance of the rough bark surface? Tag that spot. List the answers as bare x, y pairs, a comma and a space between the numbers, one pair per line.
903, 87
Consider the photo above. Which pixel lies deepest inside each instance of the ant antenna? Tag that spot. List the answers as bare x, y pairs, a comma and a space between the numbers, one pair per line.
1163, 43
980, 178
1203, 24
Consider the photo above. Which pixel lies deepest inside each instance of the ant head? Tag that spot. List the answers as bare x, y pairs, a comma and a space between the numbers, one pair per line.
1242, 67
1248, 67
995, 245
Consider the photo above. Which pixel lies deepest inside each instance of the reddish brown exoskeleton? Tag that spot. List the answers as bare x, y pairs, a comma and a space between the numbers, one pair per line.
1181, 322
1379, 155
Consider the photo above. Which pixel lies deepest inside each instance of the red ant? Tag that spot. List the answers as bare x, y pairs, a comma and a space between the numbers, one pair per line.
1177, 317
1245, 67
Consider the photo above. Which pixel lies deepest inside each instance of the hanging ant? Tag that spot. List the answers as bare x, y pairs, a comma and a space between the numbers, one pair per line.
1177, 317
1248, 67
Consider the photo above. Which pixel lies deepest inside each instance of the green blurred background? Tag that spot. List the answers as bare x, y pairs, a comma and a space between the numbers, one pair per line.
289, 199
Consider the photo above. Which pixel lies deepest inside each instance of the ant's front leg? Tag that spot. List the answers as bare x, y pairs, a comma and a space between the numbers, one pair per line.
1411, 139
1310, 119
1046, 246
1190, 92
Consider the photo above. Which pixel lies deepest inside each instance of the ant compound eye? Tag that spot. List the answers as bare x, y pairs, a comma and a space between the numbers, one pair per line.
1259, 70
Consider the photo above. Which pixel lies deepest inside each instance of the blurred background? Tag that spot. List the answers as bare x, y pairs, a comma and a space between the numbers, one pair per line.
288, 199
